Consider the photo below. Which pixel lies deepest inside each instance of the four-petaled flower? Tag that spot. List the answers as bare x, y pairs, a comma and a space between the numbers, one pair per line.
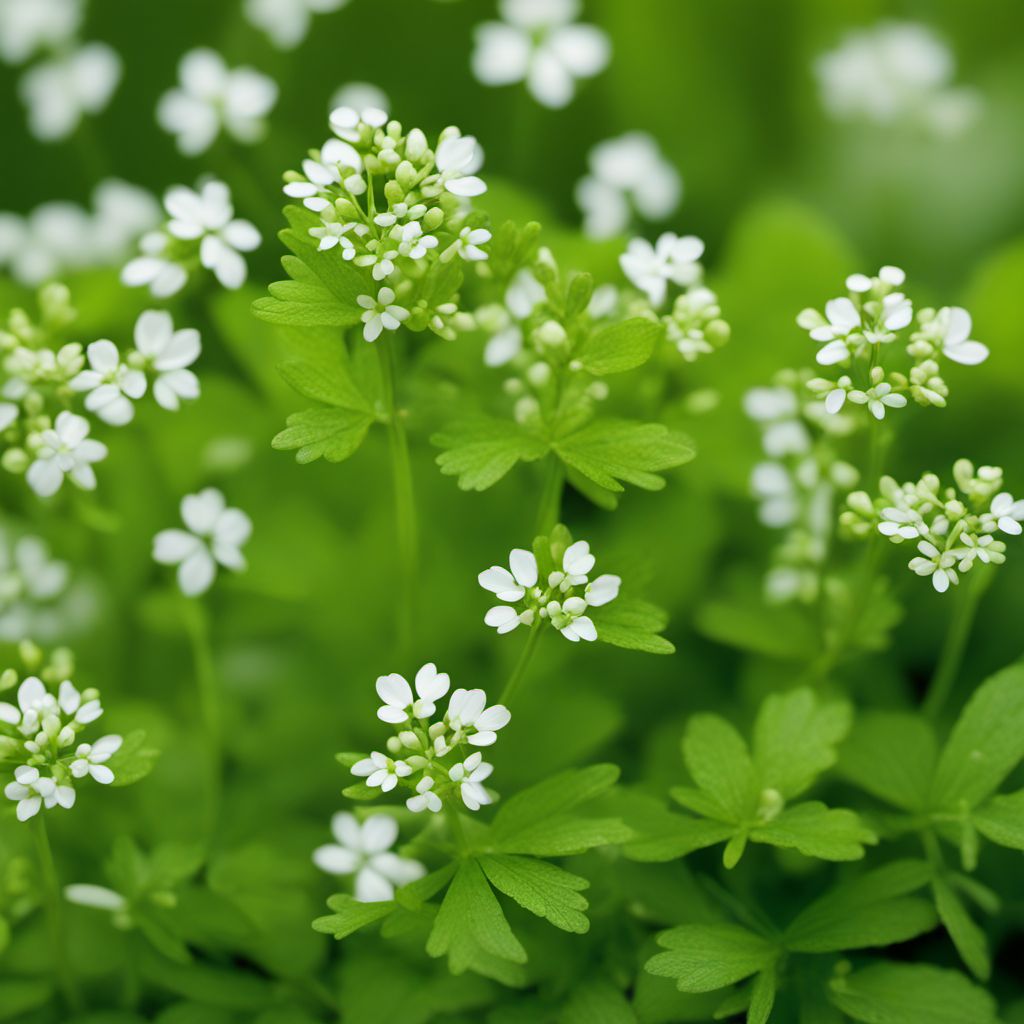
65, 449
954, 325
469, 775
651, 267
469, 715
168, 353
935, 563
399, 704
33, 791
380, 770
1007, 512
91, 758
111, 384
381, 313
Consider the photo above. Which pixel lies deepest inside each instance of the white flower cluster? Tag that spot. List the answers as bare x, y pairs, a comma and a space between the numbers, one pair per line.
59, 237
73, 80
214, 536
363, 850
894, 73
856, 330
201, 229
797, 482
428, 754
694, 324
40, 734
563, 600
626, 174
389, 203
38, 376
953, 527
539, 43
211, 98
286, 22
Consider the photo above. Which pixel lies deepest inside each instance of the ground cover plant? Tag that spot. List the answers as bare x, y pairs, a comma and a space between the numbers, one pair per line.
510, 512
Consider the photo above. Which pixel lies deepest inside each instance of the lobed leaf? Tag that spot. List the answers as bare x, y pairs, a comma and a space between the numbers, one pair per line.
716, 757
541, 888
619, 347
705, 957
817, 831
350, 915
480, 451
330, 433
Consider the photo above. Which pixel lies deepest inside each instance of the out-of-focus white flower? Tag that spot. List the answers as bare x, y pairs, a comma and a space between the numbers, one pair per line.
893, 72
538, 42
111, 384
59, 91
364, 850
286, 22
360, 96
168, 353
212, 97
214, 536
27, 26
164, 277
671, 258
122, 213
33, 590
65, 449
627, 173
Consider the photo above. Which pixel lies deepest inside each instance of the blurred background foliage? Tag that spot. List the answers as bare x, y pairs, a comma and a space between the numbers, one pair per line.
788, 203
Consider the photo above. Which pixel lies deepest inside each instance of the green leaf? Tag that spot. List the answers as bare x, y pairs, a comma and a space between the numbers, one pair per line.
597, 1001
817, 831
968, 938
481, 451
541, 888
566, 836
912, 994
19, 996
470, 921
986, 744
660, 835
607, 451
872, 910
633, 625
891, 755
795, 739
762, 997
1001, 819
716, 757
134, 759
619, 347
333, 386
350, 915
330, 433
704, 957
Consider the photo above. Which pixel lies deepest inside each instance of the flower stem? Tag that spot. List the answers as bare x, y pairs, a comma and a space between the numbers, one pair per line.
451, 812
524, 660
405, 503
955, 643
197, 627
550, 506
53, 905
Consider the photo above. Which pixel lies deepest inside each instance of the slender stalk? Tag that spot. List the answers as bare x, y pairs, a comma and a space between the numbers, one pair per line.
197, 627
524, 660
53, 906
451, 812
955, 643
405, 502
550, 507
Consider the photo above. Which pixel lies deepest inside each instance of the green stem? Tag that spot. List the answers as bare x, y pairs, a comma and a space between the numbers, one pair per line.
197, 627
550, 507
524, 660
53, 905
451, 812
405, 503
955, 643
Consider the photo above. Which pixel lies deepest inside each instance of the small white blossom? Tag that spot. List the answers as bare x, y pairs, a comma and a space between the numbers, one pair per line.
380, 770
65, 450
286, 22
364, 850
399, 704
215, 536
111, 384
98, 897
425, 799
168, 353
163, 276
878, 399
457, 159
777, 412
381, 313
91, 759
939, 565
467, 245
33, 791
469, 715
212, 97
1007, 513
954, 326
537, 42
359, 96
27, 26
651, 267
470, 775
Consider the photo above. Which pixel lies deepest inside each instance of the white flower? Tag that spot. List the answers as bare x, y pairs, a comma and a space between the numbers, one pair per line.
381, 313
901, 523
776, 410
33, 791
58, 91
380, 770
30, 25
569, 619
99, 897
935, 563
91, 758
537, 43
208, 216
626, 172
70, 702
470, 775
286, 22
467, 245
110, 383
211, 97
399, 704
165, 277
9, 412
364, 850
511, 585
954, 324
169, 353
877, 399
29, 578
122, 213
468, 713
843, 318
772, 484
359, 96
457, 157
215, 535
1008, 513
671, 258
66, 448
425, 799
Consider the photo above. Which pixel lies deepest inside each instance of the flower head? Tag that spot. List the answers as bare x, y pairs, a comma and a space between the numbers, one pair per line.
168, 353
65, 449
111, 385
671, 259
286, 22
